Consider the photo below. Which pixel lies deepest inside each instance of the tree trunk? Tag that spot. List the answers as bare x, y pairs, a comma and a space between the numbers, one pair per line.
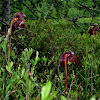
5, 14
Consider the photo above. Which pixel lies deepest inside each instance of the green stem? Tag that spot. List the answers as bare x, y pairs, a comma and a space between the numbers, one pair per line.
9, 33
86, 70
92, 73
6, 63
9, 48
27, 85
27, 78
7, 54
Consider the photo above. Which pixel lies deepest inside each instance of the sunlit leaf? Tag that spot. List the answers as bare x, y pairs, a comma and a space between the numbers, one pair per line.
63, 98
46, 91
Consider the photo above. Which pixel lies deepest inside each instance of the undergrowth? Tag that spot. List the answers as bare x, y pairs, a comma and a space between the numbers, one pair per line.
33, 62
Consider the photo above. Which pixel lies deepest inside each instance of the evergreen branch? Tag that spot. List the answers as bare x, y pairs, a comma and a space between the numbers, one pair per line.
28, 8
87, 7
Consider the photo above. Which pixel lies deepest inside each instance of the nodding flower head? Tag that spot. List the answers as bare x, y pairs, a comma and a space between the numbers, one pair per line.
92, 29
96, 24
96, 27
19, 15
18, 20
72, 57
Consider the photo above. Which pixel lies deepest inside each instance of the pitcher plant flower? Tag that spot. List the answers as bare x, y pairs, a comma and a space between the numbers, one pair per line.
92, 29
17, 22
64, 58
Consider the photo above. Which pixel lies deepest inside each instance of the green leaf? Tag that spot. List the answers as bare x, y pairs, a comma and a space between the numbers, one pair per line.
44, 59
61, 76
36, 59
23, 71
28, 53
63, 98
13, 54
21, 82
93, 98
4, 45
20, 95
31, 86
54, 13
9, 66
69, 63
8, 87
1, 38
52, 96
46, 91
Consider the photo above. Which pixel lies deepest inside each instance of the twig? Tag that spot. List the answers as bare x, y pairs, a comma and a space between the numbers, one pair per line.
35, 84
9, 93
6, 61
55, 60
28, 8
27, 78
92, 73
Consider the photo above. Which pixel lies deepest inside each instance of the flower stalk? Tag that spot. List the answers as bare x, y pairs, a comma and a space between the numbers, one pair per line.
66, 60
9, 34
17, 22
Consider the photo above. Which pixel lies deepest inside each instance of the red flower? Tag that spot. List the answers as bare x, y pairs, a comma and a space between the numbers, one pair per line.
72, 57
19, 22
19, 15
92, 29
64, 58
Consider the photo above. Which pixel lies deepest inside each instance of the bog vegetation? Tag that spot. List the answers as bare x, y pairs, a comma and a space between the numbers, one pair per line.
33, 68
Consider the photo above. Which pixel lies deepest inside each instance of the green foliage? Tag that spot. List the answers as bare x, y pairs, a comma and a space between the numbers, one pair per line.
45, 92
73, 12
63, 98
32, 61
93, 98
